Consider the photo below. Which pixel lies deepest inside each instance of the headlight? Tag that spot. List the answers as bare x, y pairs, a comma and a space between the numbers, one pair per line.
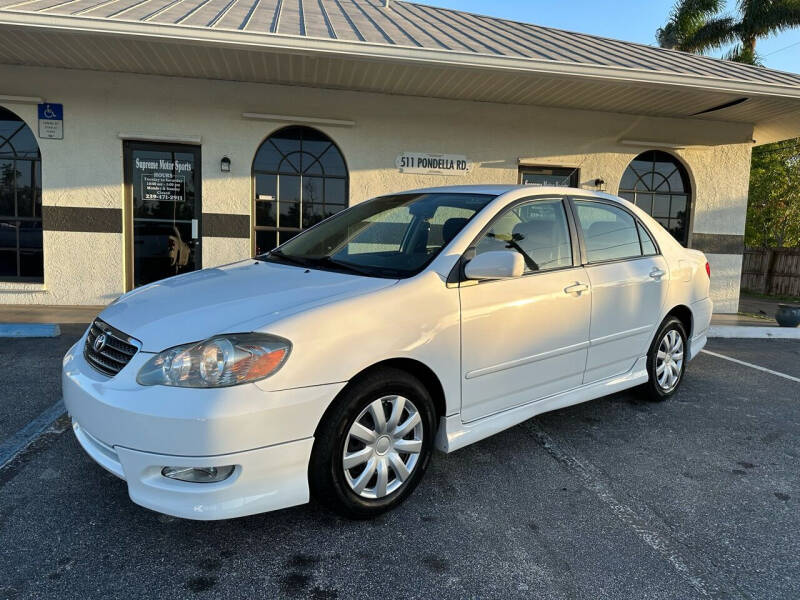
220, 361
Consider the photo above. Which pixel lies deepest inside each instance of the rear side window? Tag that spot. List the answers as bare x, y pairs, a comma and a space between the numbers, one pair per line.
648, 246
609, 232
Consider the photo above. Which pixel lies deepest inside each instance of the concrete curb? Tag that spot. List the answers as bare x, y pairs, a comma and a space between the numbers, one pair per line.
29, 330
757, 333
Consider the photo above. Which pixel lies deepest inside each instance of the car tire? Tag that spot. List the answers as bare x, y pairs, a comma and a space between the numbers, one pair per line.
666, 361
385, 457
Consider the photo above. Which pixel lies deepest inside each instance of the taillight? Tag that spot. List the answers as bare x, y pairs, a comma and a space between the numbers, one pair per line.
708, 270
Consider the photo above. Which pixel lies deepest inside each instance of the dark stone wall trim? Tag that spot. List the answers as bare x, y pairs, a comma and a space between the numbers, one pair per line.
226, 226
82, 219
718, 243
109, 220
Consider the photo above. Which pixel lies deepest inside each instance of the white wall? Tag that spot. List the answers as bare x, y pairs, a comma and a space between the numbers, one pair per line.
85, 168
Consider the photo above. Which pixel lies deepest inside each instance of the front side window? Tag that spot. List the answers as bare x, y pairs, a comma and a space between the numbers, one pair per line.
21, 253
609, 232
393, 236
538, 230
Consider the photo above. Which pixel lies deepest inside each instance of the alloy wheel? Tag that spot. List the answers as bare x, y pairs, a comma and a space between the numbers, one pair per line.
669, 360
382, 447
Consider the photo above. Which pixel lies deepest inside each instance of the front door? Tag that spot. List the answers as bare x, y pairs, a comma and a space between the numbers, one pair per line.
162, 189
525, 339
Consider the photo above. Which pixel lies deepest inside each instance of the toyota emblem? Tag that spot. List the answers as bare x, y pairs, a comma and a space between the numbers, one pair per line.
99, 342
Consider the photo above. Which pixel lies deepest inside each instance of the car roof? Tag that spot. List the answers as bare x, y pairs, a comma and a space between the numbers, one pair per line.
502, 189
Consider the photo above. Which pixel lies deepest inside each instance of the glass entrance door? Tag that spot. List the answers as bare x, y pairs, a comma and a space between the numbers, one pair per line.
162, 183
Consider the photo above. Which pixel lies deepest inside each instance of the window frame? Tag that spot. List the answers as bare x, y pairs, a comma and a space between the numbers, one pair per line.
277, 229
457, 275
686, 177
36, 177
637, 222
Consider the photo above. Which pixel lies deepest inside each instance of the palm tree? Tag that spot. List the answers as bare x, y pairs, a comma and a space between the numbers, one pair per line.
686, 18
696, 26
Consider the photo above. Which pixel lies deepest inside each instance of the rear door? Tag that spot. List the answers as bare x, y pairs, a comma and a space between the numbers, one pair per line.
525, 338
629, 286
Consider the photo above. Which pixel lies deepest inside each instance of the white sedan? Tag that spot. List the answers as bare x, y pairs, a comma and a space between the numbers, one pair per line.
333, 365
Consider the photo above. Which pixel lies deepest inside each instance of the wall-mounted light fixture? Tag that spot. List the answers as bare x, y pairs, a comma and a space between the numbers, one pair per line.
600, 184
225, 164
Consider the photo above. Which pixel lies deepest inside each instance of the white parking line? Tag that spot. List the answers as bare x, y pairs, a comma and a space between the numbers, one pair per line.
642, 521
752, 366
22, 438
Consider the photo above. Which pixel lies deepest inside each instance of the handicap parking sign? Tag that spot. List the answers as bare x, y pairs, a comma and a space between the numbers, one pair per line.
51, 121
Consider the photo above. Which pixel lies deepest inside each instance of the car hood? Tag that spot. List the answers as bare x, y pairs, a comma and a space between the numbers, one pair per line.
236, 298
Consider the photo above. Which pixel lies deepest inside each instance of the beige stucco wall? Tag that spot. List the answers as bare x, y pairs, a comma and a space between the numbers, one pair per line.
85, 168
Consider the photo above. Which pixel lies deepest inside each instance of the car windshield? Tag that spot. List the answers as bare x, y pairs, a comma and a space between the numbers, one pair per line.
391, 236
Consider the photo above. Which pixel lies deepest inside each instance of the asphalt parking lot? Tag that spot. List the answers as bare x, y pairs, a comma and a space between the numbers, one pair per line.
617, 498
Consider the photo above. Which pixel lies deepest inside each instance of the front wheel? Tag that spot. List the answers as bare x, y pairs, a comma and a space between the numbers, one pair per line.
374, 444
666, 360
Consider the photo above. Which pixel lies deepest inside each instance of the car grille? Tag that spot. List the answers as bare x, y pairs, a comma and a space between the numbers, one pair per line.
115, 353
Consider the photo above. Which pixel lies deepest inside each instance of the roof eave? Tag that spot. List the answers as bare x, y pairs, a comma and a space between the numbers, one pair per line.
276, 43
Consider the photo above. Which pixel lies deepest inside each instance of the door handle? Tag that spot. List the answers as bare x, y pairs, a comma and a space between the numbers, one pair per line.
657, 273
577, 288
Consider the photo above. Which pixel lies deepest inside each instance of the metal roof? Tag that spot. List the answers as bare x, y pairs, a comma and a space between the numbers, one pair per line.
402, 25
406, 49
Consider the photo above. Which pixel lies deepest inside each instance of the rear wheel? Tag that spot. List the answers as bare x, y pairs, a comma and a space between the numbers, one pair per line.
666, 360
373, 446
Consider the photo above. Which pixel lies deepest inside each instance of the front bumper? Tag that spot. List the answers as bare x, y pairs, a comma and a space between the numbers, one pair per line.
264, 479
135, 431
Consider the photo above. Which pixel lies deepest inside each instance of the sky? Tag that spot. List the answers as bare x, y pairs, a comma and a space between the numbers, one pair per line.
630, 20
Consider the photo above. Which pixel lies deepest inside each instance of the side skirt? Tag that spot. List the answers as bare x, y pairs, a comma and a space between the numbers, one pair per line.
454, 434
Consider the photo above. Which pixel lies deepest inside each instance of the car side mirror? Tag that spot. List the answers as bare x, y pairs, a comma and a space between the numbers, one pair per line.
498, 264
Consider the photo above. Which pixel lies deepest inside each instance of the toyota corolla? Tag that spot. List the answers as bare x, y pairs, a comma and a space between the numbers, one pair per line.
332, 366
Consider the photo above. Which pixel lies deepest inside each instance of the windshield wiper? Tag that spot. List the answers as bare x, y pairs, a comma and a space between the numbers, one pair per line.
326, 262
284, 258
341, 265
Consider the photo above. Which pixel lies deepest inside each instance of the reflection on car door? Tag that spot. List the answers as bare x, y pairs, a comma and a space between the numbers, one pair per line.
526, 338
629, 287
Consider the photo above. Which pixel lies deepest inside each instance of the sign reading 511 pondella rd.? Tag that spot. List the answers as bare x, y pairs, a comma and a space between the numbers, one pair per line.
433, 164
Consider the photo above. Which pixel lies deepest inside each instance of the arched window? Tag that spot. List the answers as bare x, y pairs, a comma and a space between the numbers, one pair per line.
299, 179
659, 184
21, 254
